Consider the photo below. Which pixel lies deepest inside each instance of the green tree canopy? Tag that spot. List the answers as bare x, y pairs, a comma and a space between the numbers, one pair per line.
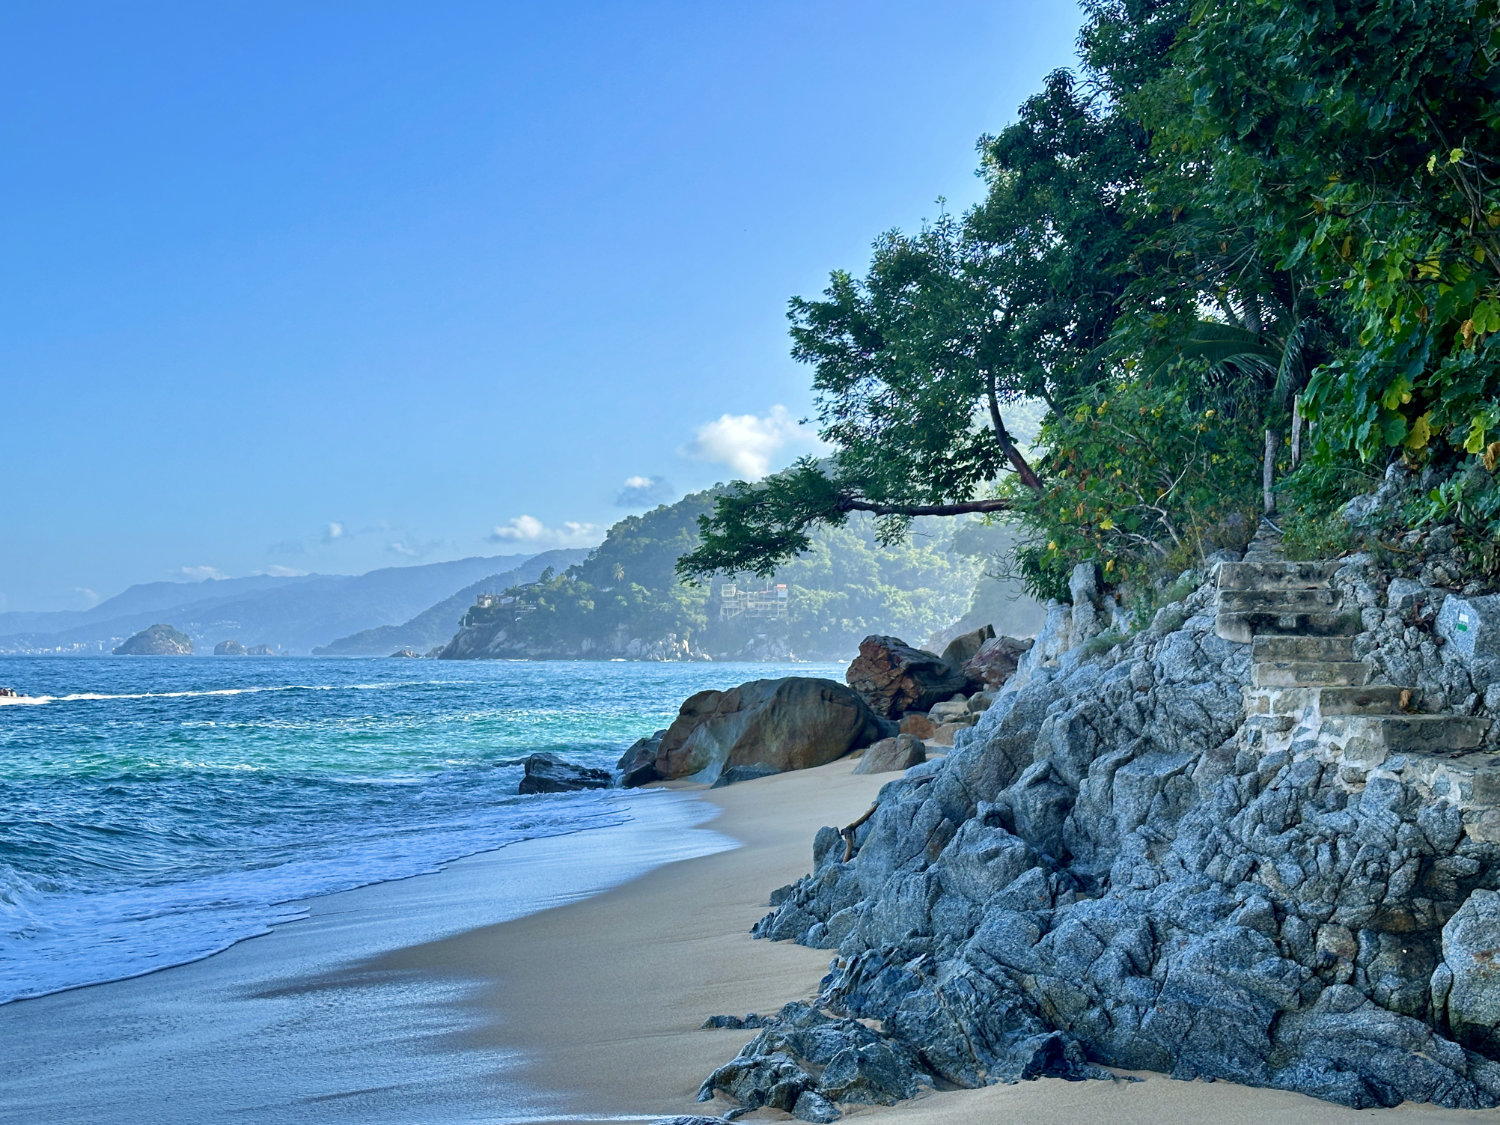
1225, 209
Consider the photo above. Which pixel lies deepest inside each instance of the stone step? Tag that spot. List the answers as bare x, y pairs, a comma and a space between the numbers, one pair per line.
1324, 702
1365, 700
1309, 673
1245, 627
1281, 702
1263, 575
1271, 648
1414, 734
1307, 599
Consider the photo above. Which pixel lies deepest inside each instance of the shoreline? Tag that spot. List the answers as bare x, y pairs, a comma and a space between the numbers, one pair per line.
436, 999
259, 1031
600, 1002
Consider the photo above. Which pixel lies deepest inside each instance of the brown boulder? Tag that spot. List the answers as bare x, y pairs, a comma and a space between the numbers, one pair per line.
918, 724
787, 724
892, 677
961, 649
899, 753
943, 736
994, 662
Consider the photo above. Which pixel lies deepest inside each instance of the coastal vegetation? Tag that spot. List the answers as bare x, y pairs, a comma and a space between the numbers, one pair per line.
1239, 243
845, 586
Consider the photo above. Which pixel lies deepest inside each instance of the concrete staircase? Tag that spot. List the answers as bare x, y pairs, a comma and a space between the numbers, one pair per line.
1304, 679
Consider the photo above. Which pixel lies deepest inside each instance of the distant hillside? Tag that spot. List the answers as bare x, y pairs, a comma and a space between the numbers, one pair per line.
624, 599
435, 625
291, 614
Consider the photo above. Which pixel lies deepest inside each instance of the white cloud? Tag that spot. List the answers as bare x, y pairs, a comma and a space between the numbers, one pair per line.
200, 573
528, 531
335, 530
644, 492
87, 594
748, 442
408, 546
281, 572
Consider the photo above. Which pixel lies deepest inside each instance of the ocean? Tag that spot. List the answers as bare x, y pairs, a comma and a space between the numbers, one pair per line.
154, 811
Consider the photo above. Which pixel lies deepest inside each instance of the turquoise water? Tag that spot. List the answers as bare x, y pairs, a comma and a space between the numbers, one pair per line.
156, 810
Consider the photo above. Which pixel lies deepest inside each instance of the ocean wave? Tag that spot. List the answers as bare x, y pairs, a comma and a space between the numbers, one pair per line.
60, 935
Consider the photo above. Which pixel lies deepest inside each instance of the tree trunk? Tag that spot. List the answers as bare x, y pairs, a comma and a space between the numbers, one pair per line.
1296, 431
1268, 472
1008, 446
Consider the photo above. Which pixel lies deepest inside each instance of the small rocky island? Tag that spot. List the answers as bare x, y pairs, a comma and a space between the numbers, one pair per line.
158, 640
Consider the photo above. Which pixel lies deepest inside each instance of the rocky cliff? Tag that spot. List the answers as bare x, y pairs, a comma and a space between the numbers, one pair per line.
1120, 864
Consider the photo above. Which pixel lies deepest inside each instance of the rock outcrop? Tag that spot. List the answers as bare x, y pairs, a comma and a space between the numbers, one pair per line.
158, 640
1118, 865
230, 648
547, 773
893, 678
786, 724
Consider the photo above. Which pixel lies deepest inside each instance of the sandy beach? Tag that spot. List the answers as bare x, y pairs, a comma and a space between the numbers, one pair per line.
558, 979
602, 1000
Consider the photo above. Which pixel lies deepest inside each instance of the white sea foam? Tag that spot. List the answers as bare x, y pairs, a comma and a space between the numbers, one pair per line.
93, 696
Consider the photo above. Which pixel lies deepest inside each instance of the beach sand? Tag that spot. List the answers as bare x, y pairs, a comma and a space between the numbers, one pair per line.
603, 999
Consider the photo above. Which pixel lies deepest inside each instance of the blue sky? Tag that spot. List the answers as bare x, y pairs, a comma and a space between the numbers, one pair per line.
329, 286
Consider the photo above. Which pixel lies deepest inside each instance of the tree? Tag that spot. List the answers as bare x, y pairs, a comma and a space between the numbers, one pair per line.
916, 364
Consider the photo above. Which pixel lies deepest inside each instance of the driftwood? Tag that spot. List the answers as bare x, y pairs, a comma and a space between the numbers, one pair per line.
847, 832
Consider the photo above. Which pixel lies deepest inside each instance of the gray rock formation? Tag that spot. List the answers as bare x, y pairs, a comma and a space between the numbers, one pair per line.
1470, 625
893, 678
158, 640
786, 724
1118, 866
230, 648
547, 773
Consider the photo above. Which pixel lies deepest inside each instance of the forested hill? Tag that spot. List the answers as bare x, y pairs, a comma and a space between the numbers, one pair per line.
844, 588
435, 624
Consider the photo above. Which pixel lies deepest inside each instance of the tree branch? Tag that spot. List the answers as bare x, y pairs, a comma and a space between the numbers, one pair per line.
961, 508
1002, 436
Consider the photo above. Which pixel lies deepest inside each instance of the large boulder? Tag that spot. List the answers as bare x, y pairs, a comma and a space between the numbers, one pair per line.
890, 754
230, 648
1471, 626
547, 773
893, 678
1471, 953
961, 649
159, 640
637, 765
787, 724
995, 662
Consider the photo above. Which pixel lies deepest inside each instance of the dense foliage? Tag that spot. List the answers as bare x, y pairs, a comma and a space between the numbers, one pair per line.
1228, 219
843, 587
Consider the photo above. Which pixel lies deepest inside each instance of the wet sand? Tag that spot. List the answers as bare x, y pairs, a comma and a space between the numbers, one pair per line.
508, 989
602, 1000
